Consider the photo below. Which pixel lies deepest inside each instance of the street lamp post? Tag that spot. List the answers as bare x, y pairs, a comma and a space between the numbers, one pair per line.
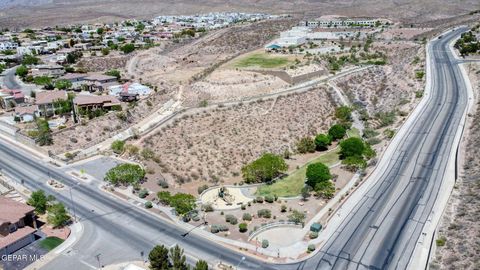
240, 262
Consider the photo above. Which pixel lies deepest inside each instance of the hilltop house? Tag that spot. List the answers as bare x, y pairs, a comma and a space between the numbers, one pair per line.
46, 99
129, 91
17, 225
99, 82
83, 103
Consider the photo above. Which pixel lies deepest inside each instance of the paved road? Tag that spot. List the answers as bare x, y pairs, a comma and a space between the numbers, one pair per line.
9, 79
384, 227
380, 233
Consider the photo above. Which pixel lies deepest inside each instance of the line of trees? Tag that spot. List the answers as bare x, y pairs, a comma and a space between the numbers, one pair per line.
162, 258
57, 215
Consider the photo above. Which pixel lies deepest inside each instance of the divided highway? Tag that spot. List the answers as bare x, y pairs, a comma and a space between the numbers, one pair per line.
385, 225
380, 232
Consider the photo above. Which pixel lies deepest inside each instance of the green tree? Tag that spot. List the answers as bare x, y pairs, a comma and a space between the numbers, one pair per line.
100, 31
30, 60
158, 258
264, 169
21, 71
343, 113
118, 146
201, 265
325, 189
127, 48
40, 201
306, 192
57, 215
178, 258
63, 84
125, 174
316, 173
306, 145
322, 141
44, 136
352, 147
114, 73
297, 217
337, 132
105, 51
183, 203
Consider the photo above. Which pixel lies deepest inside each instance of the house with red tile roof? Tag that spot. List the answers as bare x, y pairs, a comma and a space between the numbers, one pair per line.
10, 98
17, 225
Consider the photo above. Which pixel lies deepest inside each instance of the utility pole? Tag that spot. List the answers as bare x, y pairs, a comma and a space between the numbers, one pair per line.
98, 259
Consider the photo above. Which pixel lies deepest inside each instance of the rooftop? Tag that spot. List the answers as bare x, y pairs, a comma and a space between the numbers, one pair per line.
91, 99
12, 211
46, 97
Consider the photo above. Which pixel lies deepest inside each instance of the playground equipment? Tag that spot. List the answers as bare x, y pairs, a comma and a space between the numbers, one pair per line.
224, 194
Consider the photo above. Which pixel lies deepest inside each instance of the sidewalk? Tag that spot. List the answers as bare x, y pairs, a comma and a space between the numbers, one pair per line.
76, 231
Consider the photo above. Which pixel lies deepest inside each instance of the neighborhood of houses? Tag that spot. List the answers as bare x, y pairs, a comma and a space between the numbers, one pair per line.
46, 60
326, 28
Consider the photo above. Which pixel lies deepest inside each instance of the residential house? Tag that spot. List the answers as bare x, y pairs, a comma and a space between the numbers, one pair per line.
27, 113
48, 70
82, 103
11, 98
77, 79
45, 101
17, 225
99, 82
8, 45
129, 91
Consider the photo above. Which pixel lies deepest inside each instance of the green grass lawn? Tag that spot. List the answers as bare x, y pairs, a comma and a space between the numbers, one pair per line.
353, 132
50, 243
263, 61
292, 185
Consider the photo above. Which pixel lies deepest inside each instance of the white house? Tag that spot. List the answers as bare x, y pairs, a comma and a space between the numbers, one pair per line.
129, 88
7, 45
27, 113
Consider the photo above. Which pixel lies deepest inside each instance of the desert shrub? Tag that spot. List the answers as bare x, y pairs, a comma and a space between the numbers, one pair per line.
283, 208
441, 241
311, 247
202, 188
305, 145
162, 183
265, 243
269, 198
148, 204
208, 207
313, 235
143, 193
242, 227
247, 217
369, 133
231, 219
297, 217
147, 154
264, 213
259, 199
374, 141
343, 113
164, 197
218, 228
